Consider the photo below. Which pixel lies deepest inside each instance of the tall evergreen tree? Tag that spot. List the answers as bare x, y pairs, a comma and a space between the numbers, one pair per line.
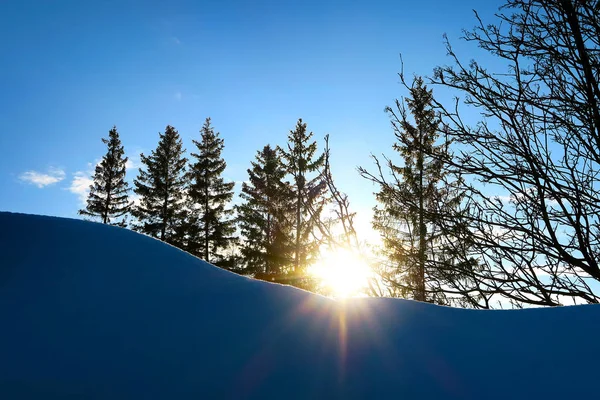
418, 202
211, 227
307, 187
161, 187
264, 216
108, 197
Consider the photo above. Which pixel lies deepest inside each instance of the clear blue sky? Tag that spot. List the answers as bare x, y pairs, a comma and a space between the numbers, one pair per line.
71, 70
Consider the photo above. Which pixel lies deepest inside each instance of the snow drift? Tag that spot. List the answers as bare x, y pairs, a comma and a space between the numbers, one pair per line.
98, 312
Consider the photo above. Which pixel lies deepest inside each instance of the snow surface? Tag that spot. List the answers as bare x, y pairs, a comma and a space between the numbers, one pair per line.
98, 312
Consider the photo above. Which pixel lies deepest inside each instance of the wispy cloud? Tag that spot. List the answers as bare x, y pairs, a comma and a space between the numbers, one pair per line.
177, 96
175, 40
80, 185
40, 179
503, 199
132, 163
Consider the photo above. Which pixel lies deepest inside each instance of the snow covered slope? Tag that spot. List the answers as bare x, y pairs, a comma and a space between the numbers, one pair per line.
97, 312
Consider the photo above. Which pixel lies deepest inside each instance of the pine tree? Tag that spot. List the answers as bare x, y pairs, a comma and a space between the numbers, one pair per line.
264, 216
108, 197
161, 188
300, 162
415, 206
210, 226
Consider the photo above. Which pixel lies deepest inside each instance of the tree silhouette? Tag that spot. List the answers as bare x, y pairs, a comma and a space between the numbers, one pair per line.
161, 187
209, 197
108, 198
265, 215
416, 201
301, 162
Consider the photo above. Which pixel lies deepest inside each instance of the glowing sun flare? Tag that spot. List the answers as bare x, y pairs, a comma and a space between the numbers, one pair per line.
343, 272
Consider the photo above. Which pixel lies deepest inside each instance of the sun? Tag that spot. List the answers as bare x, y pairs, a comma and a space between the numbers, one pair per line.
342, 272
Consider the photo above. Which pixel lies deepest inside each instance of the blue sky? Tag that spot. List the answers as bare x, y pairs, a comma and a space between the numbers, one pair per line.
73, 69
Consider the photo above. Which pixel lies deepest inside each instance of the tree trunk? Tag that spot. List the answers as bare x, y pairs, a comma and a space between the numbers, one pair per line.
206, 219
298, 220
420, 289
107, 204
269, 245
163, 228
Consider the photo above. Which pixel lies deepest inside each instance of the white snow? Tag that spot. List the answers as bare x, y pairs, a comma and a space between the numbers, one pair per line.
98, 312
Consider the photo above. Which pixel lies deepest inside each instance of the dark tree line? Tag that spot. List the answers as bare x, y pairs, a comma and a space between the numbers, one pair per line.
503, 212
278, 216
187, 202
180, 202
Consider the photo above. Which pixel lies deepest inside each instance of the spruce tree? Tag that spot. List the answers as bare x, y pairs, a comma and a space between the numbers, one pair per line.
161, 187
416, 205
108, 197
264, 216
211, 226
307, 188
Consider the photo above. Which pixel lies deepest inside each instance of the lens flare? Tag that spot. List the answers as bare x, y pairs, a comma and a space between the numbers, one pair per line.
342, 272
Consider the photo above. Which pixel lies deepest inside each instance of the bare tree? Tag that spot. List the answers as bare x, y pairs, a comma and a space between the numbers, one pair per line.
532, 163
335, 223
336, 229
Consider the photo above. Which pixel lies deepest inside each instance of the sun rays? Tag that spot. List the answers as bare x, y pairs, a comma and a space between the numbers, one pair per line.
342, 272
